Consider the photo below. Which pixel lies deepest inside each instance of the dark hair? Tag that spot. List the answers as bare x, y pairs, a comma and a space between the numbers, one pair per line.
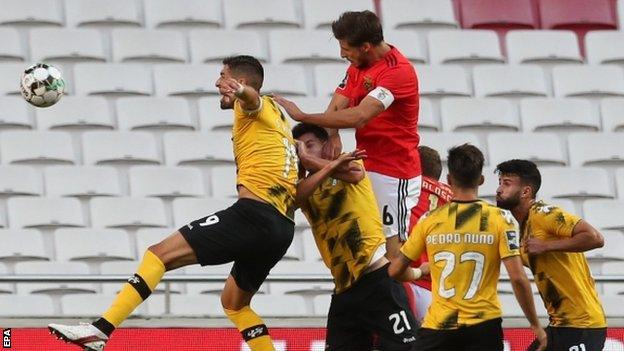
430, 162
304, 128
465, 163
358, 28
525, 169
248, 66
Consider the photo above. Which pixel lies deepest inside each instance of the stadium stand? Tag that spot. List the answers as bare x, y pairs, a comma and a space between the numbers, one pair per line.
501, 16
464, 47
66, 45
14, 114
419, 15
212, 46
183, 14
32, 13
76, 113
12, 49
605, 47
163, 114
558, 115
543, 47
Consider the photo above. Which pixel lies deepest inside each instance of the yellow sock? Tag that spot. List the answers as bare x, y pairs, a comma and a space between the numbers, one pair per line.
136, 290
252, 328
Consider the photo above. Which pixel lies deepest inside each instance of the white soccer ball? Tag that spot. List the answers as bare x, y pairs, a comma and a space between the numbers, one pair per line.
42, 85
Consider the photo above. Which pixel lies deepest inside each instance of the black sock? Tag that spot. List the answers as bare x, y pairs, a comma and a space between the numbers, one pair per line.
104, 326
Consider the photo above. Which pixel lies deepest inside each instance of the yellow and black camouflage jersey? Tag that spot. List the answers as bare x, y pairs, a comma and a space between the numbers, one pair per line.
266, 156
562, 278
347, 229
465, 243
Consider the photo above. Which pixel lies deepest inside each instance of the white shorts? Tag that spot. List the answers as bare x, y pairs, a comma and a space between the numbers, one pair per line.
422, 300
395, 198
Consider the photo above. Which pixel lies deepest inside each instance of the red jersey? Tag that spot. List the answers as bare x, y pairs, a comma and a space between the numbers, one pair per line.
433, 194
391, 138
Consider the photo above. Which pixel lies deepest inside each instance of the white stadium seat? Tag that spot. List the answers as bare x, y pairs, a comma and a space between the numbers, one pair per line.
20, 180
54, 267
310, 250
588, 81
410, 44
30, 147
186, 210
615, 309
612, 116
418, 14
319, 14
111, 13
127, 212
612, 249
108, 147
427, 119
85, 112
212, 117
91, 305
213, 45
604, 213
76, 45
613, 268
5, 288
22, 245
186, 80
321, 305
619, 182
183, 13
92, 245
556, 114
511, 308
596, 149
268, 14
14, 113
83, 181
128, 268
165, 182
327, 79
509, 81
469, 114
464, 47
44, 212
288, 80
565, 204
166, 113
12, 49
187, 305
442, 142
223, 181
490, 183
442, 80
191, 148
300, 46
26, 306
574, 183
541, 148
158, 46
604, 47
543, 47
31, 12
146, 237
279, 305
9, 77
112, 79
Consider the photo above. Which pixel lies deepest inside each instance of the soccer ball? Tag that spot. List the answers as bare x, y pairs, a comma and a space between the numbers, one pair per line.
42, 85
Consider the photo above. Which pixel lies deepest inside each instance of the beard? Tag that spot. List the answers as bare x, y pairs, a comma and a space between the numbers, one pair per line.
508, 203
226, 103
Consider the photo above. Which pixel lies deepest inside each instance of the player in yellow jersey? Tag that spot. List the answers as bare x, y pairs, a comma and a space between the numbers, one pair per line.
255, 232
553, 242
340, 205
465, 241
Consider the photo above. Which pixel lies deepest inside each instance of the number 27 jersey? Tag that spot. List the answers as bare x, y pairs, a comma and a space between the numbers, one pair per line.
465, 242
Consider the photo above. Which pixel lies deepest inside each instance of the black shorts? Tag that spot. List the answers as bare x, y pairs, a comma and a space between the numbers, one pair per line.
580, 339
252, 234
485, 336
375, 304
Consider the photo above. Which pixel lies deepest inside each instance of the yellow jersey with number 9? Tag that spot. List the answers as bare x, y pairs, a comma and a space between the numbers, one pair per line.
266, 155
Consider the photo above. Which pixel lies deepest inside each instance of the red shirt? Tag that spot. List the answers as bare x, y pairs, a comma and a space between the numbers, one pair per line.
433, 194
391, 138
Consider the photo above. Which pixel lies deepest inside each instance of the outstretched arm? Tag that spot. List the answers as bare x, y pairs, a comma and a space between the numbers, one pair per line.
248, 97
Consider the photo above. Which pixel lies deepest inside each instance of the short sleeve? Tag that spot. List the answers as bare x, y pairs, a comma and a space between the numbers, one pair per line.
399, 80
415, 244
345, 88
509, 235
240, 112
556, 221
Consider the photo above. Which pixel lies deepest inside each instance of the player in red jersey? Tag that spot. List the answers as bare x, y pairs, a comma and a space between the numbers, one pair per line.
433, 194
379, 97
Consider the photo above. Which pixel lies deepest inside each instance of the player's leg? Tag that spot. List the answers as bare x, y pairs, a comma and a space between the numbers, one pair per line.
485, 336
437, 340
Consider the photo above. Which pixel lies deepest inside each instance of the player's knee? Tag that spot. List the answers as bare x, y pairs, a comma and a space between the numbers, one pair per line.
159, 251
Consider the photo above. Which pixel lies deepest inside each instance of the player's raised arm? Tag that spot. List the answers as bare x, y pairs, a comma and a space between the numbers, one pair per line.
248, 97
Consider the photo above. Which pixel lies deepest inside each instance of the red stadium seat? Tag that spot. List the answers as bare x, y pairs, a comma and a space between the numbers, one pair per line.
499, 15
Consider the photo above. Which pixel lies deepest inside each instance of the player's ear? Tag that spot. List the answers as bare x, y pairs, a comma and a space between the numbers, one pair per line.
481, 180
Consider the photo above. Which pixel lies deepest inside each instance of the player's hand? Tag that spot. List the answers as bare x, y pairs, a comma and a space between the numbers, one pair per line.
535, 246
541, 337
229, 86
333, 147
302, 149
344, 159
425, 268
291, 108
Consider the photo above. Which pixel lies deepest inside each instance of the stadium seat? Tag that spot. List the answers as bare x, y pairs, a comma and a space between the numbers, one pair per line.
29, 306
418, 14
223, 181
265, 14
54, 267
327, 79
31, 13
211, 287
186, 210
81, 181
464, 47
141, 113
128, 268
607, 149
14, 113
487, 190
347, 136
442, 80
319, 14
615, 309
9, 78
211, 117
127, 212
92, 245
542, 148
300, 268
165, 182
543, 47
514, 81
66, 45
427, 119
110, 14
187, 305
501, 16
12, 49
35, 147
186, 80
112, 79
588, 81
511, 308
20, 180
321, 305
91, 305
310, 250
108, 147
146, 237
565, 204
442, 142
558, 115
612, 249
44, 212
613, 268
611, 112
212, 46
192, 148
287, 80
619, 182
162, 46
279, 305
303, 46
605, 47
22, 245
576, 183
183, 14
410, 44
469, 114
76, 113
5, 288
620, 13
604, 213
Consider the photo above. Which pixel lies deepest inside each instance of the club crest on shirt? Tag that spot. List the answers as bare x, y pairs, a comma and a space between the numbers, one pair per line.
368, 83
512, 240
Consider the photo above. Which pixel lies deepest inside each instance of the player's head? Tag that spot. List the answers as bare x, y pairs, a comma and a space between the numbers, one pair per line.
430, 162
518, 180
314, 137
245, 69
358, 32
465, 163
